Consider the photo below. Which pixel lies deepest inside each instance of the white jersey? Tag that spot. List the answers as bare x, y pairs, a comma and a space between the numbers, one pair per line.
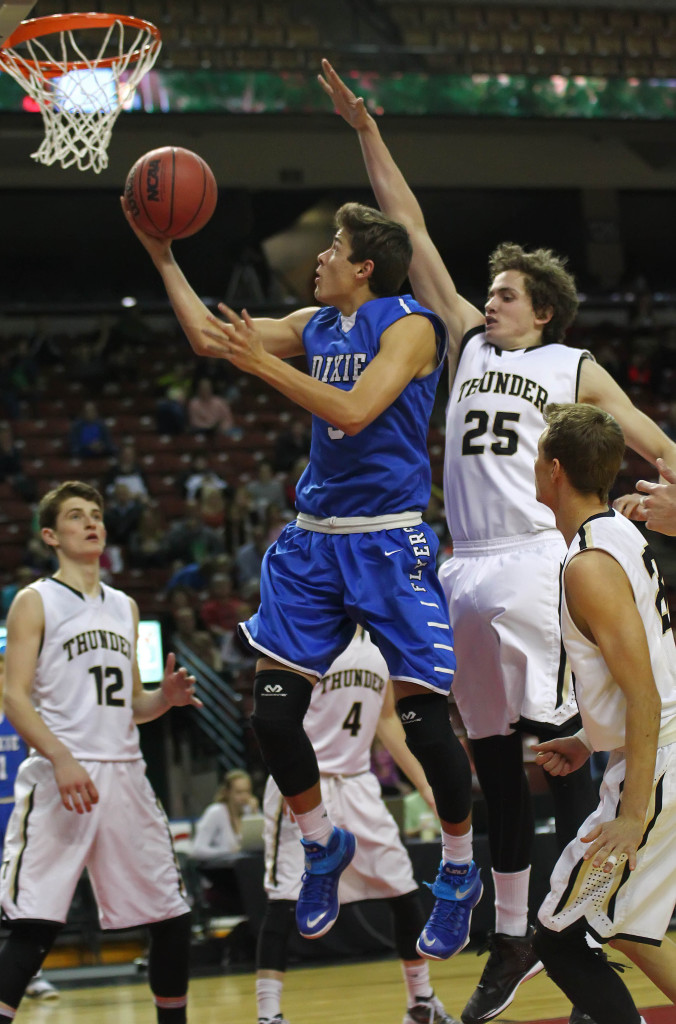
494, 419
83, 680
345, 707
601, 701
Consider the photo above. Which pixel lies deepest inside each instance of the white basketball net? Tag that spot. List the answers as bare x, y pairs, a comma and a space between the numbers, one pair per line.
80, 107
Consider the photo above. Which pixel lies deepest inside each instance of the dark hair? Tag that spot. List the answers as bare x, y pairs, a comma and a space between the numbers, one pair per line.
548, 284
373, 236
588, 443
50, 505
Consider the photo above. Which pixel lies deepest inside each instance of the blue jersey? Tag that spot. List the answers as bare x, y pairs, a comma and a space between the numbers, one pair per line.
385, 467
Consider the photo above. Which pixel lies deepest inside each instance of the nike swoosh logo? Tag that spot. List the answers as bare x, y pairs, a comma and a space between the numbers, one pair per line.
388, 553
312, 921
426, 939
461, 893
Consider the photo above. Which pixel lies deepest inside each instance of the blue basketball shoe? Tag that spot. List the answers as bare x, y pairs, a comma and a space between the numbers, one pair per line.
317, 906
458, 889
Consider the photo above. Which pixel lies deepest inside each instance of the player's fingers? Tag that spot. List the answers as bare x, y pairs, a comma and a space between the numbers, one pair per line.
170, 663
591, 836
646, 486
93, 792
233, 317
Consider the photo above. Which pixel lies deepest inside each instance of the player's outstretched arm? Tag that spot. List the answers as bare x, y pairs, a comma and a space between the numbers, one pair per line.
407, 350
432, 284
597, 387
282, 337
618, 630
25, 627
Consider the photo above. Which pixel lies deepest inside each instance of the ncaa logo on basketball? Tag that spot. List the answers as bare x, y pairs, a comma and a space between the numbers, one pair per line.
153, 181
274, 690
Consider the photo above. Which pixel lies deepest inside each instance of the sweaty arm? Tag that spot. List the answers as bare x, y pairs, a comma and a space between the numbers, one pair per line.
432, 284
597, 387
25, 628
407, 350
618, 630
283, 337
390, 732
176, 689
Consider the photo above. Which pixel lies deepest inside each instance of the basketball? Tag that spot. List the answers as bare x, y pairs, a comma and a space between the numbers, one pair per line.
171, 192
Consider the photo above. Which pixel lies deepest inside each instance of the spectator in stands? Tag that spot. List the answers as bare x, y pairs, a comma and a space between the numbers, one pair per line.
171, 415
291, 445
217, 832
190, 539
201, 478
11, 468
127, 470
222, 609
123, 514
89, 435
249, 558
24, 369
266, 489
147, 545
213, 509
209, 413
241, 520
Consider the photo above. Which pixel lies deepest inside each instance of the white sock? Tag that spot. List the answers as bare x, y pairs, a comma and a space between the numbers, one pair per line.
268, 996
457, 849
315, 825
417, 977
511, 901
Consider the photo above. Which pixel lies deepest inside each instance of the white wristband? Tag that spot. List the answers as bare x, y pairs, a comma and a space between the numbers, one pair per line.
581, 735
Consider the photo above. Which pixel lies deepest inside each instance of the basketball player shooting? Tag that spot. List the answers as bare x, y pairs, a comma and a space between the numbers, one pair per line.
358, 551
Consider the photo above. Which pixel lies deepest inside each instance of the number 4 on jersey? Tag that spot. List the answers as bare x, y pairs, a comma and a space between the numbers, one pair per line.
353, 719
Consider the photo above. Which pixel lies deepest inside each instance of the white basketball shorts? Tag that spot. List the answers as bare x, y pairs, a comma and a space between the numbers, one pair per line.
124, 843
503, 599
381, 866
625, 904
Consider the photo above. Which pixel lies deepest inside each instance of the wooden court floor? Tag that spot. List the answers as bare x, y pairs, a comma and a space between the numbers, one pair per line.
362, 993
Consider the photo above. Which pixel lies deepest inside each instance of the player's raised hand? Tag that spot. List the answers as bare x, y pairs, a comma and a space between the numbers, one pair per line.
78, 792
235, 339
178, 688
158, 248
350, 107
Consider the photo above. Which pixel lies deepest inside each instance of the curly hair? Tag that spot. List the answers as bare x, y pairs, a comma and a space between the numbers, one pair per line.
548, 284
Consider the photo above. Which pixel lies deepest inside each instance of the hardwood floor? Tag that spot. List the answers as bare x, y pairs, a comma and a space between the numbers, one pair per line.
363, 993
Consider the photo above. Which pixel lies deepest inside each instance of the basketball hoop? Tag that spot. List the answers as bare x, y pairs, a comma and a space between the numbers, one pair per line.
79, 97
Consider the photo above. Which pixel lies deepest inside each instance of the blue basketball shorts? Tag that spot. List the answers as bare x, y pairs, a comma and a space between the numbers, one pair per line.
316, 586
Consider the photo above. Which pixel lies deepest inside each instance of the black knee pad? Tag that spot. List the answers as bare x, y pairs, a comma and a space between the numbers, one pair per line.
273, 937
281, 700
22, 954
409, 919
430, 738
169, 956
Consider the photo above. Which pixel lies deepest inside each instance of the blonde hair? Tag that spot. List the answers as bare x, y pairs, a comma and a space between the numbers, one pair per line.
223, 792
